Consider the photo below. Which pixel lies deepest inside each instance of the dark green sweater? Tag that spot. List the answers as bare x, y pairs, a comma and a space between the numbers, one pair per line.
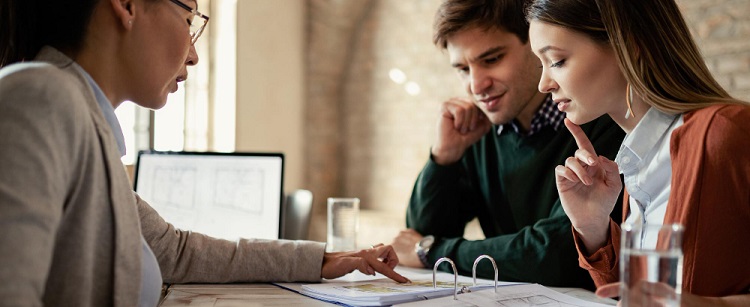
508, 182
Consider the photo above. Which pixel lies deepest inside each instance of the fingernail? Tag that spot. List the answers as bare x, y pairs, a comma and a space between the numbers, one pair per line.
591, 161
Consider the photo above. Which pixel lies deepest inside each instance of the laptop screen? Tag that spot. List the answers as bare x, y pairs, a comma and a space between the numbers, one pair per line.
223, 195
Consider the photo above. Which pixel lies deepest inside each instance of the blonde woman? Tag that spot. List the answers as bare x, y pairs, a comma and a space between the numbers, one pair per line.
686, 156
73, 231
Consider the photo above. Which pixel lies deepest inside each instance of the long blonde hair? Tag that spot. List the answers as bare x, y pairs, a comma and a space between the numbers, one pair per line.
654, 49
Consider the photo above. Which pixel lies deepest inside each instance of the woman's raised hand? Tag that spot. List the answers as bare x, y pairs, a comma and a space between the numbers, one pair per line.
588, 186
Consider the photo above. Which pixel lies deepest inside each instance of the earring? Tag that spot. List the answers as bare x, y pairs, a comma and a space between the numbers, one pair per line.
130, 22
628, 100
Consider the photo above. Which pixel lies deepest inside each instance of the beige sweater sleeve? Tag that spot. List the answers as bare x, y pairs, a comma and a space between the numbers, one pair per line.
186, 256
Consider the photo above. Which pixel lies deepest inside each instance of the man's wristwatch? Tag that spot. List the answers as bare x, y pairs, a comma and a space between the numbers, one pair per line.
422, 248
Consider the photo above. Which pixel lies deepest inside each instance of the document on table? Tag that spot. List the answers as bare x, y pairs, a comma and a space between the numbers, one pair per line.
512, 296
361, 290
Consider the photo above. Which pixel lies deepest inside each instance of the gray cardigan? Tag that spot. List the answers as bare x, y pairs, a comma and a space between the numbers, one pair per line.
70, 224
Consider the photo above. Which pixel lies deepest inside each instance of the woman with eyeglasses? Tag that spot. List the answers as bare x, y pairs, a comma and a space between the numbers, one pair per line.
686, 155
72, 231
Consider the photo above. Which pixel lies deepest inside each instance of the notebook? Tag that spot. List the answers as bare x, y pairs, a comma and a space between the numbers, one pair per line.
224, 195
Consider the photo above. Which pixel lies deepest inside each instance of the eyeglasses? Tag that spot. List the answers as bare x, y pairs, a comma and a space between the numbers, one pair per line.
196, 26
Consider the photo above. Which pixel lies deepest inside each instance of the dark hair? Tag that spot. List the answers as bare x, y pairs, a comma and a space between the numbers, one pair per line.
653, 45
28, 25
457, 15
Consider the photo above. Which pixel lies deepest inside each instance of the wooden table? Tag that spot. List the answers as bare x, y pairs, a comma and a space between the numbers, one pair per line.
230, 295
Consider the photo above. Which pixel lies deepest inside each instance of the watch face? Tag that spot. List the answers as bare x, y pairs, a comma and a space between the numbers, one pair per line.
427, 241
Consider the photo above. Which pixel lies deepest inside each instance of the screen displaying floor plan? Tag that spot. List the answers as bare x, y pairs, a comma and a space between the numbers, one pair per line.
225, 196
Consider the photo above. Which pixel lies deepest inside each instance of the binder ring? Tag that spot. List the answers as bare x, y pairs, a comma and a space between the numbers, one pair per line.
474, 269
455, 275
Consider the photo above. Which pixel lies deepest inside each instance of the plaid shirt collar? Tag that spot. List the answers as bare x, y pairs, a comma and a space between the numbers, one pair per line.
548, 115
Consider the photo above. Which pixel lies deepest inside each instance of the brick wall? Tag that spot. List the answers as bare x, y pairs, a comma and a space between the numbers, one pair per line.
367, 137
722, 30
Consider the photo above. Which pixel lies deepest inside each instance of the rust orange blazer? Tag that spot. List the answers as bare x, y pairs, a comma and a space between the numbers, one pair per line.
710, 196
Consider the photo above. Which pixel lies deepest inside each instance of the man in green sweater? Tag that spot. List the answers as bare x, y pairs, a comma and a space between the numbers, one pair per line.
495, 155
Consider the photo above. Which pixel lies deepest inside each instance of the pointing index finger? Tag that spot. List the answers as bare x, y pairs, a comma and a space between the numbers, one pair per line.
581, 139
384, 269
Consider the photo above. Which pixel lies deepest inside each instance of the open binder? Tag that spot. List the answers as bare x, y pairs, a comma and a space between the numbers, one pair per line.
440, 289
514, 295
385, 292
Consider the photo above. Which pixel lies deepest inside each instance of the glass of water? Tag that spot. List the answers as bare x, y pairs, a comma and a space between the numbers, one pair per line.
343, 224
651, 264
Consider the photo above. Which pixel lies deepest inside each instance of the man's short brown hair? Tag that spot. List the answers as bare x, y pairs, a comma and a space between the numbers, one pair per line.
456, 15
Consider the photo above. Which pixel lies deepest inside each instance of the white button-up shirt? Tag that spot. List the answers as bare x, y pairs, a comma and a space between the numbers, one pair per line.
645, 162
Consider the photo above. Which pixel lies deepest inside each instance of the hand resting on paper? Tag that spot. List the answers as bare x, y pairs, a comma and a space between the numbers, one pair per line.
380, 258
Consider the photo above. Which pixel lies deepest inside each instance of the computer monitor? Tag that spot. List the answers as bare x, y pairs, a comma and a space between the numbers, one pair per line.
224, 195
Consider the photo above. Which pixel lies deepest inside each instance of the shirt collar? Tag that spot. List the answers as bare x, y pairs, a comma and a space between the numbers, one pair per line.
644, 137
547, 115
107, 110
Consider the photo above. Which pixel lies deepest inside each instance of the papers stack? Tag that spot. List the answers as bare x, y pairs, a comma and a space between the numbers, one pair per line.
519, 295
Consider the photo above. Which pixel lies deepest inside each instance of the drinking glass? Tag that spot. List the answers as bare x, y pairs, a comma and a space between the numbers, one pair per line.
343, 224
651, 262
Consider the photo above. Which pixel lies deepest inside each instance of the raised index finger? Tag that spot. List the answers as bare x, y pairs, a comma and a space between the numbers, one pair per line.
581, 139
